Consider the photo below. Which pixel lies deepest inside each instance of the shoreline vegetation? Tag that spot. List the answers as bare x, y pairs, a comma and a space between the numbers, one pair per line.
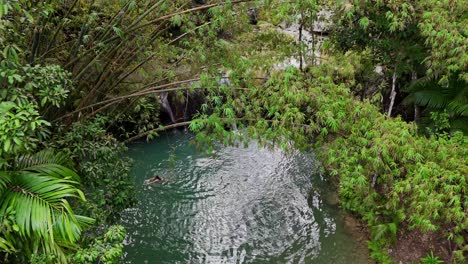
384, 106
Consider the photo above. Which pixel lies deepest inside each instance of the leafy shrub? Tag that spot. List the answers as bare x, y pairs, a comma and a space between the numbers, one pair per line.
107, 249
431, 259
388, 174
28, 95
135, 117
104, 170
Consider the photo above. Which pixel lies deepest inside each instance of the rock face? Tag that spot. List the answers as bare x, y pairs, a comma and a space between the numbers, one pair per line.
332, 198
313, 38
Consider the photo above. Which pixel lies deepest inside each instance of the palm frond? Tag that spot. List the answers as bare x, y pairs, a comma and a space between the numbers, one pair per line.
408, 100
84, 221
430, 98
5, 179
457, 88
38, 195
53, 170
6, 245
458, 108
431, 94
422, 83
46, 156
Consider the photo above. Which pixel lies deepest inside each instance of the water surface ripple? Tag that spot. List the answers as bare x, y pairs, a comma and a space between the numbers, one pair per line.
241, 205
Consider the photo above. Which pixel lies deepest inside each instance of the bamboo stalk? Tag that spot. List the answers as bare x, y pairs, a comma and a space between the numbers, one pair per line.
139, 65
54, 37
185, 123
122, 97
195, 9
113, 101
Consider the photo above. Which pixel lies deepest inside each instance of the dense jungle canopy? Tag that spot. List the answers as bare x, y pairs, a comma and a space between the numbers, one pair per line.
379, 94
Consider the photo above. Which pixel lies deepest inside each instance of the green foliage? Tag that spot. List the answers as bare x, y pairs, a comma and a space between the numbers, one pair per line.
110, 49
116, 48
378, 252
107, 249
27, 94
36, 215
21, 128
443, 24
431, 259
139, 116
103, 169
8, 226
426, 39
43, 259
388, 174
450, 99
384, 232
112, 52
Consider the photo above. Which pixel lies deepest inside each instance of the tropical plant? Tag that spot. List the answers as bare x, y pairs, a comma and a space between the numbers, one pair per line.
94, 59
103, 168
407, 39
451, 97
113, 48
388, 174
107, 249
34, 195
431, 259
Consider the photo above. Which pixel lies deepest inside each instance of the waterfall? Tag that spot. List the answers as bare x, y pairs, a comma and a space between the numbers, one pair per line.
234, 127
166, 106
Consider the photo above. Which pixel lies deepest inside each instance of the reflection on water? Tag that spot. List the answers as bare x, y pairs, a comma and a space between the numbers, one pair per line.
242, 205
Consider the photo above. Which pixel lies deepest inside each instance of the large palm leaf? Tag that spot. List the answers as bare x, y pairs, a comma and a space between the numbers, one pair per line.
429, 93
37, 191
434, 97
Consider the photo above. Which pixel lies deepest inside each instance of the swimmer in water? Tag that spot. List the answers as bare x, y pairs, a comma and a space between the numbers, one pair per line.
154, 179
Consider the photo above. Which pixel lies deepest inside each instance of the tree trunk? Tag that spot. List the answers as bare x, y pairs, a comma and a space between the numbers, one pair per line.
417, 108
417, 113
363, 93
392, 94
300, 48
313, 47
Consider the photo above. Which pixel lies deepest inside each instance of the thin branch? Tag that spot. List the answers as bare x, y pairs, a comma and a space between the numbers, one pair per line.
124, 97
157, 130
151, 90
139, 65
54, 37
158, 20
119, 99
189, 122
